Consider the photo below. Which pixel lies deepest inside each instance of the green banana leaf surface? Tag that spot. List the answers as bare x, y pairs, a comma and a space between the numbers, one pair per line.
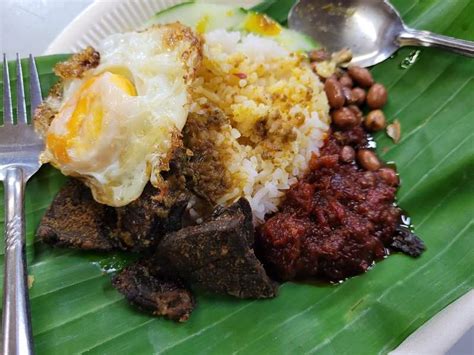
75, 309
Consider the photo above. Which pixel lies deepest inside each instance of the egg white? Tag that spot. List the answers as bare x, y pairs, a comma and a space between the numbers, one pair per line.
130, 110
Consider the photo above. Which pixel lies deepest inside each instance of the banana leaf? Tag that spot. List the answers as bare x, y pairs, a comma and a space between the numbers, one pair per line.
75, 309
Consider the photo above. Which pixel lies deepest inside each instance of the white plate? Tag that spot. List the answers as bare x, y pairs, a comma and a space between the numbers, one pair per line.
104, 17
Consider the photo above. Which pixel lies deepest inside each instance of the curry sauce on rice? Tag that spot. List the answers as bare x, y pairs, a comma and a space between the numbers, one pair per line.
258, 115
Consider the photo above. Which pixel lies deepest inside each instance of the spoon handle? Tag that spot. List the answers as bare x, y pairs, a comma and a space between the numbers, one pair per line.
412, 37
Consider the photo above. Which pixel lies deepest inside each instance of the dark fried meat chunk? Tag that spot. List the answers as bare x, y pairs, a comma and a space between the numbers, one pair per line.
217, 255
143, 222
407, 242
76, 220
241, 207
150, 289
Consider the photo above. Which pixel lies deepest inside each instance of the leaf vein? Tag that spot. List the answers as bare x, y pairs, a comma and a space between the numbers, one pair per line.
425, 265
423, 178
70, 320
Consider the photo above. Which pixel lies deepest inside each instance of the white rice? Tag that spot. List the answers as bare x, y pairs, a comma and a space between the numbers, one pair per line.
253, 79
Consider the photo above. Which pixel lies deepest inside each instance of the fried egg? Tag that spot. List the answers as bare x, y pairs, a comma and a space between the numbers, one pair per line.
117, 124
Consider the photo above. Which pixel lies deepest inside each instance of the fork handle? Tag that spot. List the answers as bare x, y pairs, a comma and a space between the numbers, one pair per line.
16, 326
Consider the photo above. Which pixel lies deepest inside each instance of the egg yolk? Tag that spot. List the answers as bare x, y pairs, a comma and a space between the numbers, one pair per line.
202, 24
261, 25
84, 125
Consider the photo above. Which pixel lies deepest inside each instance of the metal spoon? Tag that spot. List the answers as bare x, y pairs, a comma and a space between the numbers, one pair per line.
372, 29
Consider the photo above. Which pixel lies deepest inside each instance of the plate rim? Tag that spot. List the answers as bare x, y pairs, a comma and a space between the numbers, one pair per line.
95, 21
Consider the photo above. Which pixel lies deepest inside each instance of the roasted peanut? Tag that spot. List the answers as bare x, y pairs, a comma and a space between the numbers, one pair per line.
389, 176
346, 81
319, 55
358, 96
367, 179
344, 118
357, 112
377, 96
375, 120
347, 95
334, 93
361, 76
347, 154
368, 160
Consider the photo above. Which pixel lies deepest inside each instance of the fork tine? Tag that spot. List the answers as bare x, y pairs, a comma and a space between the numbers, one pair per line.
20, 93
7, 99
35, 87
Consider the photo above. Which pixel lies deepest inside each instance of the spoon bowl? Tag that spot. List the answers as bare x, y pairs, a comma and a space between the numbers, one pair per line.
372, 29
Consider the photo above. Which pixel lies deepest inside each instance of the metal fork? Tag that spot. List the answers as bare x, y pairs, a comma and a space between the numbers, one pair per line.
20, 148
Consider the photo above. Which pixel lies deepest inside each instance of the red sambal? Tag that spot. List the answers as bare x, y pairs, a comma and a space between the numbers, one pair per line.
337, 220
